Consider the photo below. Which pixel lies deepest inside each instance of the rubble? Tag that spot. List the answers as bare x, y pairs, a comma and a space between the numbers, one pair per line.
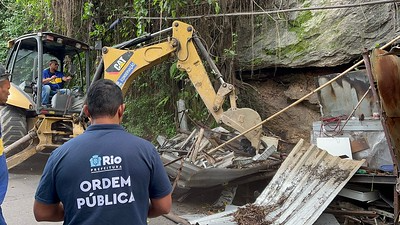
189, 158
302, 188
250, 215
312, 182
188, 162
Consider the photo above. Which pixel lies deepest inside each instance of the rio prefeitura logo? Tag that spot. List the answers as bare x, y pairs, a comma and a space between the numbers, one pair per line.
99, 164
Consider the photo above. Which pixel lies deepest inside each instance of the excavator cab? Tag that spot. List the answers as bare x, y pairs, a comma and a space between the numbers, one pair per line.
28, 56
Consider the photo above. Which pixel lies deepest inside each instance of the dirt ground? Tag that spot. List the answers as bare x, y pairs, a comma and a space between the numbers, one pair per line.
270, 91
273, 95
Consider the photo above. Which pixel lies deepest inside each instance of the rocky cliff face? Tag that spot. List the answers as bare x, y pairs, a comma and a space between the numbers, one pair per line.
314, 38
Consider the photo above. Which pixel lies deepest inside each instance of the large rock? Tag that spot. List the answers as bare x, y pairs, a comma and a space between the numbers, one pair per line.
318, 38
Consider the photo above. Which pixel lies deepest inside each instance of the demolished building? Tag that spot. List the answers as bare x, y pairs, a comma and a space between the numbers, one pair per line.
358, 130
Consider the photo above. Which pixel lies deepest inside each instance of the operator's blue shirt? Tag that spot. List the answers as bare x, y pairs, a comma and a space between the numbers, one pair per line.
104, 176
57, 83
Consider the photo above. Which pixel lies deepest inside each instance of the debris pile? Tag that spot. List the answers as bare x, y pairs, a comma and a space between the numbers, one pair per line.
251, 214
299, 192
311, 185
195, 160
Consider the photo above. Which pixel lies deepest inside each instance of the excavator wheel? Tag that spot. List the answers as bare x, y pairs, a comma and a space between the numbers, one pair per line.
13, 125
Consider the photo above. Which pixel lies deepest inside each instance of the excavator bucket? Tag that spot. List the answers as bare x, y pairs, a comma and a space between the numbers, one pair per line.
243, 119
386, 72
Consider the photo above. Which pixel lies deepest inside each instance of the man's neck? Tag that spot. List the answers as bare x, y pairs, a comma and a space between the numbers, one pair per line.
105, 120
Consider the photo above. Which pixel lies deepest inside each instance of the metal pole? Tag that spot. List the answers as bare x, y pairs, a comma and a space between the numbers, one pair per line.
31, 135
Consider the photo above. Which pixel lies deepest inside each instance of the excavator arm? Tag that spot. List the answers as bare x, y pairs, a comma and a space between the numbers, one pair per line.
123, 66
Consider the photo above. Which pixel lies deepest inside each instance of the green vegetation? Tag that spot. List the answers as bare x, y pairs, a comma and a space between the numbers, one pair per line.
144, 119
297, 25
256, 61
19, 17
230, 52
147, 105
295, 48
269, 51
151, 103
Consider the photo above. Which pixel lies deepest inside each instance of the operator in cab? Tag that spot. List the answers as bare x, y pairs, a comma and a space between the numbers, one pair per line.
53, 82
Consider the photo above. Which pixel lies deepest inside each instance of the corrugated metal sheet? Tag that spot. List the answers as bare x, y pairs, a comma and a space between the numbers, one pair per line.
196, 177
341, 96
173, 169
305, 184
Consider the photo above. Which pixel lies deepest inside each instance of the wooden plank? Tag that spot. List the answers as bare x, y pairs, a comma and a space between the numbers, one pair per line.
197, 145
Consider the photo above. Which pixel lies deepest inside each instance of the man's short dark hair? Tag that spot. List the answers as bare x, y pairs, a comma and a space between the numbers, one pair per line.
103, 98
53, 61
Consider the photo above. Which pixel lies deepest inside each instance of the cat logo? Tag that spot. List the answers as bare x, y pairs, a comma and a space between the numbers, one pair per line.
119, 63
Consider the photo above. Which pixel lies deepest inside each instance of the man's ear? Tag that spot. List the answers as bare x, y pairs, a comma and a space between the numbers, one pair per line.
121, 110
86, 110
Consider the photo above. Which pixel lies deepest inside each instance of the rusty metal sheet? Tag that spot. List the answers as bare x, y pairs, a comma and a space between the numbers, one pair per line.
386, 73
306, 183
341, 96
393, 126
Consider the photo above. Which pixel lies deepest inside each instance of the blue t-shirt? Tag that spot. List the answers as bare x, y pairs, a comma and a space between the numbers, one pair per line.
3, 171
57, 83
3, 178
104, 176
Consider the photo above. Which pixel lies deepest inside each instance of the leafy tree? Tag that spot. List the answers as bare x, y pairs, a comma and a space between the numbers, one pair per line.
20, 17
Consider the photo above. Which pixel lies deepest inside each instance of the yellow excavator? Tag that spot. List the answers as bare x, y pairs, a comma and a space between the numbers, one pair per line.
28, 127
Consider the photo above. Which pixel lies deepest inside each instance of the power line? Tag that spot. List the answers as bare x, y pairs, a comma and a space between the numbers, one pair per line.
268, 12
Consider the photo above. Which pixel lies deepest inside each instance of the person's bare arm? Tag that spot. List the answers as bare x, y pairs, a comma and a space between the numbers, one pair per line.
47, 80
66, 78
48, 212
160, 206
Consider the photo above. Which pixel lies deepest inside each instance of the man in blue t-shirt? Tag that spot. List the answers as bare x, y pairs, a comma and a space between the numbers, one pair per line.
105, 175
53, 81
4, 93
